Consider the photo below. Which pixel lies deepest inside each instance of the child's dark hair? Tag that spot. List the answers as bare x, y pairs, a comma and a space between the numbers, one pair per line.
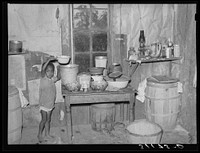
50, 64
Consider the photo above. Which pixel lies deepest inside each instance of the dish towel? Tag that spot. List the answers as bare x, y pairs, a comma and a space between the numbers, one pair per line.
23, 100
141, 91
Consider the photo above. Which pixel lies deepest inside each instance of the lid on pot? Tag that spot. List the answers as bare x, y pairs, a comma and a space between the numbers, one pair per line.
96, 70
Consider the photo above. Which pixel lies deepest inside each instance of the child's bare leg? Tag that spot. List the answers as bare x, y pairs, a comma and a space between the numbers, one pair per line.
47, 126
42, 125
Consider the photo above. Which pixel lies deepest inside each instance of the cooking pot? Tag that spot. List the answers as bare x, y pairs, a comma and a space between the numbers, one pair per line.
15, 46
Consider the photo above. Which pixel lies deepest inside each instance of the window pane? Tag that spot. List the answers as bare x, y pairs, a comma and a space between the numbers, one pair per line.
99, 41
100, 5
99, 19
81, 5
97, 54
83, 60
81, 18
81, 42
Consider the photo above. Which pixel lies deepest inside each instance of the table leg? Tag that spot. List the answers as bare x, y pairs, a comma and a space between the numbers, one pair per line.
132, 107
68, 118
122, 112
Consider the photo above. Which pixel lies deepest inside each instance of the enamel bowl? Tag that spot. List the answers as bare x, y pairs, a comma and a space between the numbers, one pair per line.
63, 59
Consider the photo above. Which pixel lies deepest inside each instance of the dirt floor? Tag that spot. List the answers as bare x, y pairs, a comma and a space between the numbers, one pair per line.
84, 134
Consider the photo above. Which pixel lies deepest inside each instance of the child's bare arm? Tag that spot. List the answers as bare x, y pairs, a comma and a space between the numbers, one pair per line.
58, 76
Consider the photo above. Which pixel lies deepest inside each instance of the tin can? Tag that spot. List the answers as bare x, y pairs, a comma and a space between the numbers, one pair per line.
176, 50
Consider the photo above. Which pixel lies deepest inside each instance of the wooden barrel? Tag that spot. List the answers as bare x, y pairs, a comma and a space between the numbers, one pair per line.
14, 116
144, 132
162, 103
102, 116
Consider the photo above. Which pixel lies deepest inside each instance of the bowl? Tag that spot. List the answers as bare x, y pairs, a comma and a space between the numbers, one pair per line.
96, 70
63, 59
73, 87
119, 83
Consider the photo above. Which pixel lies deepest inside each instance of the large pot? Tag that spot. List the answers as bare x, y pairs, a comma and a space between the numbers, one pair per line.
115, 67
68, 73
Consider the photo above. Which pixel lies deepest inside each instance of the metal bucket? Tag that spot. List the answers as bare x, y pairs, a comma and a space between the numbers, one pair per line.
68, 73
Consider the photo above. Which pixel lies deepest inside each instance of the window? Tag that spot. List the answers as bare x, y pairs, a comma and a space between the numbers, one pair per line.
90, 33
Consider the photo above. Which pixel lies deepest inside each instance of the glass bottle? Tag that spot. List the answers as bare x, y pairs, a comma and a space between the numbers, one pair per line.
171, 46
142, 43
141, 39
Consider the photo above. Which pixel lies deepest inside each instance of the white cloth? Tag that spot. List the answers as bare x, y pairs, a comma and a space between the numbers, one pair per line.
180, 87
141, 90
23, 100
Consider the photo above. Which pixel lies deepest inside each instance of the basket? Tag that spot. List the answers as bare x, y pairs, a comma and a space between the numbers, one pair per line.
144, 132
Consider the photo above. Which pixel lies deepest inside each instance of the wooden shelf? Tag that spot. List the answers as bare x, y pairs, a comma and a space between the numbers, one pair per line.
17, 53
152, 60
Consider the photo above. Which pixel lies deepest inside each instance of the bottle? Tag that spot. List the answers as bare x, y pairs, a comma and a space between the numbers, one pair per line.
171, 46
142, 39
131, 51
142, 43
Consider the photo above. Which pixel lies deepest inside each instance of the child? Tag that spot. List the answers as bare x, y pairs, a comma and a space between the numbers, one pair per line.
47, 97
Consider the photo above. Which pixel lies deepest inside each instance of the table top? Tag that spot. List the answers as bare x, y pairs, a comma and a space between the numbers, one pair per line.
93, 92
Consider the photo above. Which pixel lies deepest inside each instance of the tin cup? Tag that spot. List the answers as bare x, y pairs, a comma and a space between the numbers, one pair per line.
176, 50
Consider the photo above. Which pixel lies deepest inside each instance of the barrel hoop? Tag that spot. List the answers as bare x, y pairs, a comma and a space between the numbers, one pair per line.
161, 86
163, 114
12, 110
162, 98
14, 130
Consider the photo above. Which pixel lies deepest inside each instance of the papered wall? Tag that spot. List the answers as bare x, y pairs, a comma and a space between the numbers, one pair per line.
37, 26
155, 19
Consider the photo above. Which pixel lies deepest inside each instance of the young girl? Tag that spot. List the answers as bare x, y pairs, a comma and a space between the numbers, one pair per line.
47, 97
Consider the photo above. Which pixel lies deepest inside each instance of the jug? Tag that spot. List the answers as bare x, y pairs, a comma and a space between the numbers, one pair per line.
98, 83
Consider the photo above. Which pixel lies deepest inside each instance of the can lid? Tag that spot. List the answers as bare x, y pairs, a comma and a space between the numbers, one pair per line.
162, 79
100, 57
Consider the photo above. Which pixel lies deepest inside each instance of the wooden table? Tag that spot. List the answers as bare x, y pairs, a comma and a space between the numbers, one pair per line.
127, 94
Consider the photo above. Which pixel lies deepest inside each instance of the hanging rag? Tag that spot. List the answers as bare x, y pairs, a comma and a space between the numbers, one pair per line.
141, 91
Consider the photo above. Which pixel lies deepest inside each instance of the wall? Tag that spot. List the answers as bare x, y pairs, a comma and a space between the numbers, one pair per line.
36, 25
185, 35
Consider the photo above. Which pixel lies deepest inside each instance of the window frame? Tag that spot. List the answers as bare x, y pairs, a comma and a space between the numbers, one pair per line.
90, 31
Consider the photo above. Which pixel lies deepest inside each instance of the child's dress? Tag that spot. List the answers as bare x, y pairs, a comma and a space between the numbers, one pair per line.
47, 94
